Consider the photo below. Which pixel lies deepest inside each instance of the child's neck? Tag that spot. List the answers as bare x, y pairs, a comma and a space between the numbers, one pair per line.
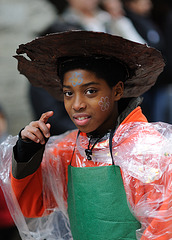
94, 135
100, 132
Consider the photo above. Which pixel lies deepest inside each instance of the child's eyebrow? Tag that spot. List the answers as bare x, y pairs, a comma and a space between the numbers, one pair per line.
83, 85
66, 86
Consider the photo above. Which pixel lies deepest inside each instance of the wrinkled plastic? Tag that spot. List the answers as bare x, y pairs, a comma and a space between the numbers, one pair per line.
144, 153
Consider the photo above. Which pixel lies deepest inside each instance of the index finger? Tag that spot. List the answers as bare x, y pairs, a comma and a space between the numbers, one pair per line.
45, 116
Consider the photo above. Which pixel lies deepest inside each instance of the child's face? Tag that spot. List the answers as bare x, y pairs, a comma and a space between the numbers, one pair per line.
90, 102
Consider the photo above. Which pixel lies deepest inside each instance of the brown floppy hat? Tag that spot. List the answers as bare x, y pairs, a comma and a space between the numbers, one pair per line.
43, 55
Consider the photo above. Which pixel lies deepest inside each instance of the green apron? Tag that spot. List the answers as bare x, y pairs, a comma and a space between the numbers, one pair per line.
97, 204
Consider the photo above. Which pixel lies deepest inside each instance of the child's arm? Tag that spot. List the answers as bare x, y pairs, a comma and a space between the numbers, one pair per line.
26, 171
30, 145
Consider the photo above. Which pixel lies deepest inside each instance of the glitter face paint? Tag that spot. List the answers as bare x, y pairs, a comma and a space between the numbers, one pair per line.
104, 103
76, 79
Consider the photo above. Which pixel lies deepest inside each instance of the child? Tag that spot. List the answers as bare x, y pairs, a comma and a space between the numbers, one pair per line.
88, 175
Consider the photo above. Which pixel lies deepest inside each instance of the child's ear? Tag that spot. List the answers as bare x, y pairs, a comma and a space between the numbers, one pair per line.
118, 91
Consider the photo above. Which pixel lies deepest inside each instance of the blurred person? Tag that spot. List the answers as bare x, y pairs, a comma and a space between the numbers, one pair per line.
120, 25
8, 230
78, 14
81, 15
87, 14
162, 13
140, 13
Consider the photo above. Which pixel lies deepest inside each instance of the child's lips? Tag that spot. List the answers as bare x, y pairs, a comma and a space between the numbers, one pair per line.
81, 120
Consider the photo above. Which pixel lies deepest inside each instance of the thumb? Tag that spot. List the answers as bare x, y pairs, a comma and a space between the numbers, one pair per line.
48, 126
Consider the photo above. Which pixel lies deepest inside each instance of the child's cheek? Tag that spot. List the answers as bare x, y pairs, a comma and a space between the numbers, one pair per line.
104, 103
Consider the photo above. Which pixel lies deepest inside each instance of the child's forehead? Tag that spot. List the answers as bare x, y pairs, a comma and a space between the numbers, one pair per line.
80, 74
80, 77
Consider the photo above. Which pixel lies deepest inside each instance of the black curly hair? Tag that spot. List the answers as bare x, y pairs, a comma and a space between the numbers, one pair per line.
109, 69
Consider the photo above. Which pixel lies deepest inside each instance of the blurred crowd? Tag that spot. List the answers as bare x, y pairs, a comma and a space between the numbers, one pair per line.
143, 21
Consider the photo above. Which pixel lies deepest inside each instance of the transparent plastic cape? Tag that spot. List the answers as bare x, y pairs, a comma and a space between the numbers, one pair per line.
142, 150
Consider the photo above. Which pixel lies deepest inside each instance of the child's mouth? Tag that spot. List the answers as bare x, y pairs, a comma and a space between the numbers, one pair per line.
81, 120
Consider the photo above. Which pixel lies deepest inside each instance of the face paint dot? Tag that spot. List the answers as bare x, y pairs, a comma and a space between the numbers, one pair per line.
76, 79
104, 103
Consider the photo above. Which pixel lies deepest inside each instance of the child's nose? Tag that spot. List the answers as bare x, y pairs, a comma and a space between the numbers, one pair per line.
78, 103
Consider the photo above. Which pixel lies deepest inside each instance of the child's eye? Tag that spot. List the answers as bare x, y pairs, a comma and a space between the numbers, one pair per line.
91, 91
67, 94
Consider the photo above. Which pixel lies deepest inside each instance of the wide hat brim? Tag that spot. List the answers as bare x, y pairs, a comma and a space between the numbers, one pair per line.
43, 54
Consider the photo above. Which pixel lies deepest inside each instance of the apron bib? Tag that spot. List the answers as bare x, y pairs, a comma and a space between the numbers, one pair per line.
97, 204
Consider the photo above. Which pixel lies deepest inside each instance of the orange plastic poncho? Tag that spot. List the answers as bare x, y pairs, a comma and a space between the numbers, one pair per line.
143, 152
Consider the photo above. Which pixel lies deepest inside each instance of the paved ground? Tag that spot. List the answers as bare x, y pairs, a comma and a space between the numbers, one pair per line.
20, 20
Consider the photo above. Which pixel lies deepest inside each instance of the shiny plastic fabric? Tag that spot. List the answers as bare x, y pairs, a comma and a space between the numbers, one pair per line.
144, 153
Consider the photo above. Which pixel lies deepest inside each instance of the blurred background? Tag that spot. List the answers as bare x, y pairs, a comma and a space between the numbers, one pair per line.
143, 21
22, 20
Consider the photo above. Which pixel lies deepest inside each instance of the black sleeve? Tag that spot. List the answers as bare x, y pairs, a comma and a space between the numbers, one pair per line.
24, 151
